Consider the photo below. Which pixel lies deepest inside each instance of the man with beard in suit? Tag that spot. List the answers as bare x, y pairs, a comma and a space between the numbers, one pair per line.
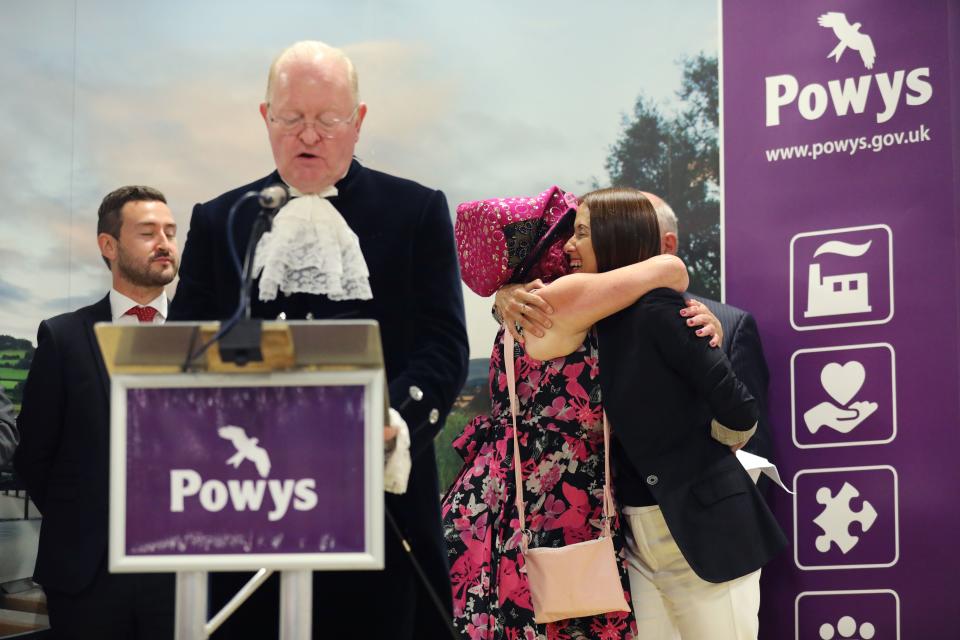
64, 423
389, 254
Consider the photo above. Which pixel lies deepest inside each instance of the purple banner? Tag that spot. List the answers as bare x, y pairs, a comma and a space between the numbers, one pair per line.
840, 226
245, 470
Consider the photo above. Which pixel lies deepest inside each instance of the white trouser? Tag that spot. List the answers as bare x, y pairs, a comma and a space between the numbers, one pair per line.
670, 601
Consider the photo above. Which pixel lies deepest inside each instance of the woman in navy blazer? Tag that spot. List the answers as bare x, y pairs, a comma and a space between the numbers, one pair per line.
699, 530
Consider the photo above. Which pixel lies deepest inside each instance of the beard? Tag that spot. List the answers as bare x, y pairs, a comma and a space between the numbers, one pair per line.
146, 273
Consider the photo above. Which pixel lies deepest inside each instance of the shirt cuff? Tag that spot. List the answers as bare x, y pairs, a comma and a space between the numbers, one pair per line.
728, 436
397, 462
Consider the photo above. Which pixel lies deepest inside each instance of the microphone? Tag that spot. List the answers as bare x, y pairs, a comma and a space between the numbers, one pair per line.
273, 197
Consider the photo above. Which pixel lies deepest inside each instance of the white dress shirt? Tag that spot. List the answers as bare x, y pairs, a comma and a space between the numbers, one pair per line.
120, 304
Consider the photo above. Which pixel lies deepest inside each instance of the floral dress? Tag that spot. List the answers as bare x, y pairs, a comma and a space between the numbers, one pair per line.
561, 447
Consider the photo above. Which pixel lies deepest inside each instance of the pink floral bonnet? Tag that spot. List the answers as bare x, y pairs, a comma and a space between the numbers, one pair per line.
502, 240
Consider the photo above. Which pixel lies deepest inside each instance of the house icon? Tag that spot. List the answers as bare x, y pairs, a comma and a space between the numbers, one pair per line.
838, 294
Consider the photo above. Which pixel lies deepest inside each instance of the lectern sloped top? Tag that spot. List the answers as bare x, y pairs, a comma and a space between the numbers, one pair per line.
297, 344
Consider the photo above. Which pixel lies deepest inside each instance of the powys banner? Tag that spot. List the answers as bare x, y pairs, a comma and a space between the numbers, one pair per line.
840, 155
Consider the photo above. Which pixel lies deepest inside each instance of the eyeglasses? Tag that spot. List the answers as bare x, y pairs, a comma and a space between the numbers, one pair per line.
327, 125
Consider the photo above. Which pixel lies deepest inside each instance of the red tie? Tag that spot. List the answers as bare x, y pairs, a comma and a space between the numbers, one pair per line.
144, 314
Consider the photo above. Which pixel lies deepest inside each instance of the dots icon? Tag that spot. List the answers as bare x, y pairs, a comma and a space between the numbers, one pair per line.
847, 628
866, 614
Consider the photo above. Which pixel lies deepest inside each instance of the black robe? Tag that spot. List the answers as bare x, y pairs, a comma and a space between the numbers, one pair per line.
406, 237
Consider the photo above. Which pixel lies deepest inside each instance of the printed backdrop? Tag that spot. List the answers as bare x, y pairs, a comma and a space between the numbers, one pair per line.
840, 219
840, 225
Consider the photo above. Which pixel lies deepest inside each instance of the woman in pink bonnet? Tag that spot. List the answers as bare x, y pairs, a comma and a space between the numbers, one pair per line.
697, 529
560, 425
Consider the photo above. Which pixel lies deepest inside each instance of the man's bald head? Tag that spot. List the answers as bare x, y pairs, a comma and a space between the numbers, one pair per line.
667, 219
314, 53
313, 115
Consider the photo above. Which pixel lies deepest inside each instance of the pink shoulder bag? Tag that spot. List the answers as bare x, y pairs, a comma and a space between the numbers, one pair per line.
579, 579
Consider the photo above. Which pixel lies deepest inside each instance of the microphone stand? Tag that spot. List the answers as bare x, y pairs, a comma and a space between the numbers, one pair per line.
239, 336
240, 342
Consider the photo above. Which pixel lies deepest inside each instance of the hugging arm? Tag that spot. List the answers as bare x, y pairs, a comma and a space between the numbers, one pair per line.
735, 411
580, 300
750, 366
523, 311
700, 315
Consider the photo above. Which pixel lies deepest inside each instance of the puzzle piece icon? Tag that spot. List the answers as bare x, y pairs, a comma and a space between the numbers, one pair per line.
836, 517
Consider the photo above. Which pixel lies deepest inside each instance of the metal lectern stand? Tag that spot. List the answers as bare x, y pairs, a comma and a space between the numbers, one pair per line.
175, 505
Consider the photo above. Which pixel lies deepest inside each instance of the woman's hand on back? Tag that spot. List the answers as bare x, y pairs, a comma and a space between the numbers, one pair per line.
699, 315
519, 305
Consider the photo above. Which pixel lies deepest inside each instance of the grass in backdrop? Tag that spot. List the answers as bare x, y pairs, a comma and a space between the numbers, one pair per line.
448, 460
16, 355
474, 400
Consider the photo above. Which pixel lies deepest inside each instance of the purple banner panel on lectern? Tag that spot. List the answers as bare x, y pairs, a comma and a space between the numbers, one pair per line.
840, 191
245, 470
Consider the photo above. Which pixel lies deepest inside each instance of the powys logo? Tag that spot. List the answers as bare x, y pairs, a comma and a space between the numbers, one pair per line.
247, 449
849, 36
849, 94
243, 495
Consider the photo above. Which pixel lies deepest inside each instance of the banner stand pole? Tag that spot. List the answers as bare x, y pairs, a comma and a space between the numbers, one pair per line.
296, 604
191, 605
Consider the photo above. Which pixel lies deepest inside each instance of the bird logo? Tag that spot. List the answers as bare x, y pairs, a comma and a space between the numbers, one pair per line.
247, 449
849, 36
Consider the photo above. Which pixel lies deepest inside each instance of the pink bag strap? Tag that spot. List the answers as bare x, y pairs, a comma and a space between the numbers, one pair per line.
512, 386
508, 361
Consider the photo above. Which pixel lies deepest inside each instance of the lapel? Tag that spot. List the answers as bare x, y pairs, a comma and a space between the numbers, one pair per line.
99, 312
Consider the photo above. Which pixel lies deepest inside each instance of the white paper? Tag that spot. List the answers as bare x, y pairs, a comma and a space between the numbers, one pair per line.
755, 465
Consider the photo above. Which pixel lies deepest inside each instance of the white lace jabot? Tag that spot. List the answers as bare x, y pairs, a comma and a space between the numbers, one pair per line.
311, 249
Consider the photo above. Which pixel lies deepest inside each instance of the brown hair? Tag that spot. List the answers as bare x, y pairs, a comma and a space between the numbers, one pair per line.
109, 216
623, 227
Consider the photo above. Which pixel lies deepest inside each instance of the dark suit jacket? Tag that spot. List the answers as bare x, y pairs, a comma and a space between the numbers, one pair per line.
63, 455
661, 386
741, 344
8, 430
406, 237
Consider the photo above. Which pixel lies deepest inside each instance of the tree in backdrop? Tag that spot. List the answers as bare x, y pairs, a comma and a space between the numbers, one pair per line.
676, 156
9, 342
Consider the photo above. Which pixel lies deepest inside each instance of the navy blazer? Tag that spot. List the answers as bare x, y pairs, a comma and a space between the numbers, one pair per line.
661, 387
63, 457
742, 346
406, 237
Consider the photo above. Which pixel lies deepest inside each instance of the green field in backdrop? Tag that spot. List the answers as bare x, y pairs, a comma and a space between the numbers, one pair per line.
8, 373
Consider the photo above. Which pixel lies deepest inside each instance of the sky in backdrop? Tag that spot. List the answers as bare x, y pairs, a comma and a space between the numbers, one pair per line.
477, 99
